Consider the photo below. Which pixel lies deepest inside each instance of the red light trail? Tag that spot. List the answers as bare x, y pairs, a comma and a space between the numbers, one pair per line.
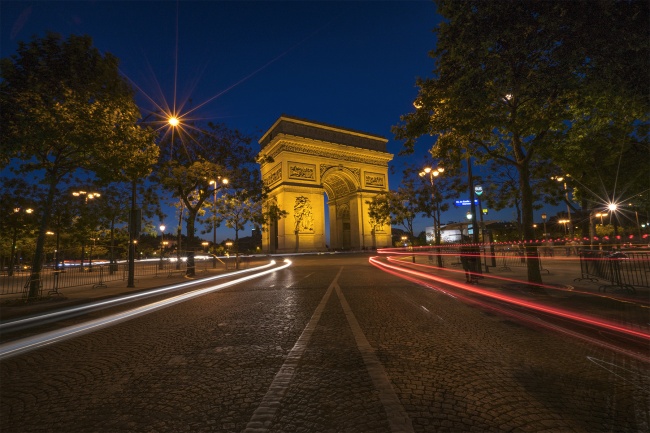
425, 279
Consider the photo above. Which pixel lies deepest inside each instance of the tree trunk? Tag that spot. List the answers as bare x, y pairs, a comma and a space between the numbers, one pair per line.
532, 258
112, 267
35, 276
12, 258
191, 216
237, 247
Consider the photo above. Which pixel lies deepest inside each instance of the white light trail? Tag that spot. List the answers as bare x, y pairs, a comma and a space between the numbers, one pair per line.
122, 299
26, 344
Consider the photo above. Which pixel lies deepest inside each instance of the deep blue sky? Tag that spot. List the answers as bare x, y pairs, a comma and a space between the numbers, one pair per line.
351, 64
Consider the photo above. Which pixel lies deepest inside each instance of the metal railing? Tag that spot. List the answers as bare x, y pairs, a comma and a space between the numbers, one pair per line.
623, 270
97, 275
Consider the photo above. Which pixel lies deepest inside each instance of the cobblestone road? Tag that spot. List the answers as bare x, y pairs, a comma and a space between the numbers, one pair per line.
330, 344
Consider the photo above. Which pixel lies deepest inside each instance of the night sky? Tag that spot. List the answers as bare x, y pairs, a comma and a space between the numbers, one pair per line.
352, 64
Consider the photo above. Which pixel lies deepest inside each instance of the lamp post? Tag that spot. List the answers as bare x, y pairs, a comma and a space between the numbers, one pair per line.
612, 210
545, 232
90, 259
135, 214
436, 204
17, 220
85, 195
636, 215
224, 181
162, 239
566, 196
475, 239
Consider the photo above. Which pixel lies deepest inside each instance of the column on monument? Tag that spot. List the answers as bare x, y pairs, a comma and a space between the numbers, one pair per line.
356, 222
335, 226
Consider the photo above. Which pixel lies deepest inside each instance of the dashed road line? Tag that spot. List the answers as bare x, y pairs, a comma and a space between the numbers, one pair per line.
398, 419
263, 416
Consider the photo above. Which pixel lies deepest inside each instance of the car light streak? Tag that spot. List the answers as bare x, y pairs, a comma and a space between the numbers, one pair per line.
639, 302
26, 344
414, 275
21, 323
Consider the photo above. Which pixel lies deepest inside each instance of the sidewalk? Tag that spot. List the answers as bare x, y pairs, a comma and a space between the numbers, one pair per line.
562, 288
15, 307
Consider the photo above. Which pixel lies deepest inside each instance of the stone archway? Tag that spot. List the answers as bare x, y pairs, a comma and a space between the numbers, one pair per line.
311, 160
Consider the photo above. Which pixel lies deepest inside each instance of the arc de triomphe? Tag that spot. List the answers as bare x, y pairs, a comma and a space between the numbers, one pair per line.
311, 159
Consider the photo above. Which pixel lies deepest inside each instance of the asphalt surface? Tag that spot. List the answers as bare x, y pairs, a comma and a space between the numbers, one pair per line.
330, 344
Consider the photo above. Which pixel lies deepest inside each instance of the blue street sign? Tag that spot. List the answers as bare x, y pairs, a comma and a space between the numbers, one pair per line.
465, 202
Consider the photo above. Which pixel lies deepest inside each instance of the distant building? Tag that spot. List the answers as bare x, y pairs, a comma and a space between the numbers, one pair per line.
455, 232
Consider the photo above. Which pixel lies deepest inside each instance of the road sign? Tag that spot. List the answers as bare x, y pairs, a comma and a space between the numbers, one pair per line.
478, 190
465, 202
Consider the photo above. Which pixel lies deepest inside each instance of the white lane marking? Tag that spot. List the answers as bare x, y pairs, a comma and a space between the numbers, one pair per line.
26, 344
398, 419
263, 416
613, 368
425, 308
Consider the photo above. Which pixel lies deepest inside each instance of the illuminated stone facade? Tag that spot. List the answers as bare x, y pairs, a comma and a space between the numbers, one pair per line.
311, 160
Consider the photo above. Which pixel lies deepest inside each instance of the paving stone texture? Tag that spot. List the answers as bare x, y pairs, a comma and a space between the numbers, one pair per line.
262, 357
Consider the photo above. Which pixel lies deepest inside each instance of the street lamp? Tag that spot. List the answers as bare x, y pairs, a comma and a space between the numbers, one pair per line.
90, 259
545, 232
86, 196
435, 172
224, 181
566, 196
612, 209
601, 215
205, 246
17, 220
162, 238
636, 215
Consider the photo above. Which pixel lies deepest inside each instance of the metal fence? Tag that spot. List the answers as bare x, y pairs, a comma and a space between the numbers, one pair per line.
623, 270
508, 258
502, 258
97, 275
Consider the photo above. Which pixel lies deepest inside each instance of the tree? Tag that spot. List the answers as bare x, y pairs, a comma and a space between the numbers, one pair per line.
399, 207
17, 200
271, 214
194, 158
378, 214
511, 92
64, 107
379, 210
113, 212
237, 209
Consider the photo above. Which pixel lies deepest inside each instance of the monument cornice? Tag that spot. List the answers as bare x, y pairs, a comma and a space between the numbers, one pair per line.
297, 127
305, 146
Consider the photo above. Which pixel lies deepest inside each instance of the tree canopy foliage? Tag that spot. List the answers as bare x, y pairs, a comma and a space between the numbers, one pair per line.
64, 107
194, 159
528, 82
